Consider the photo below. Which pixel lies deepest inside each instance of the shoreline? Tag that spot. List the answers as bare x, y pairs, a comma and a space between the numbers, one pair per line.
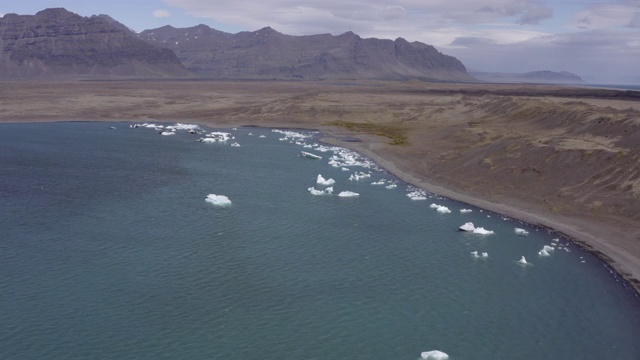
560, 158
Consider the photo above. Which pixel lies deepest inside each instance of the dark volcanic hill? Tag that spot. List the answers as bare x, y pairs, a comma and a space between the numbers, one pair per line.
546, 77
56, 42
267, 53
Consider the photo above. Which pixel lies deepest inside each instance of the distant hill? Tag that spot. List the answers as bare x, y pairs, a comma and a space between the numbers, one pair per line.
59, 43
546, 77
267, 53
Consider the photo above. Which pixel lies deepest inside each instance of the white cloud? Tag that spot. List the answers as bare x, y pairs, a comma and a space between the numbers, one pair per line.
603, 16
161, 13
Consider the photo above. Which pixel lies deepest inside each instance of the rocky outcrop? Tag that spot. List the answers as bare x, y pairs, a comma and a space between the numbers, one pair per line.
267, 53
56, 42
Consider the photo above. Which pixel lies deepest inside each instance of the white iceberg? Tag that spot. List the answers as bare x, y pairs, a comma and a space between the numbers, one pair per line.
464, 211
474, 254
521, 232
348, 194
485, 255
324, 182
482, 231
359, 176
434, 355
326, 191
467, 227
381, 182
167, 133
218, 200
391, 186
235, 144
523, 261
548, 248
441, 209
543, 252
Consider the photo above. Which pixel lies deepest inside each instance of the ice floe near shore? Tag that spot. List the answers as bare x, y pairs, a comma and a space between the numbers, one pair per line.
469, 227
218, 200
416, 194
434, 355
521, 232
465, 211
324, 182
440, 208
359, 176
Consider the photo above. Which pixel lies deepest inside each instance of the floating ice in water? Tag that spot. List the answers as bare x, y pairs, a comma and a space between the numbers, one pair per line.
522, 260
297, 137
548, 248
417, 195
310, 155
543, 252
219, 136
464, 211
380, 182
180, 126
250, 134
467, 227
218, 200
262, 136
474, 253
482, 231
344, 169
348, 194
434, 355
235, 144
521, 232
391, 186
325, 182
441, 209
555, 240
485, 255
476, 230
358, 176
326, 191
166, 133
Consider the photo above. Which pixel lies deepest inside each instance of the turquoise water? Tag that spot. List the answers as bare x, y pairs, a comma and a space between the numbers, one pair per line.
108, 250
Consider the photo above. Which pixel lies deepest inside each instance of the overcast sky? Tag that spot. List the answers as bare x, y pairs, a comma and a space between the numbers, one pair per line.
598, 40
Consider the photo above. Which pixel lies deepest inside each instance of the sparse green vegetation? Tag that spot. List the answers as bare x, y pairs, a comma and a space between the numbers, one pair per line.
397, 134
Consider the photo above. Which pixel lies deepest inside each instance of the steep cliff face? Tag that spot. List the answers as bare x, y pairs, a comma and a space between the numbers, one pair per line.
267, 53
56, 42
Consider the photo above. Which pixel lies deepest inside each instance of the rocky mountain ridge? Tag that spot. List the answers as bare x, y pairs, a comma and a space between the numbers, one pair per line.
267, 53
59, 43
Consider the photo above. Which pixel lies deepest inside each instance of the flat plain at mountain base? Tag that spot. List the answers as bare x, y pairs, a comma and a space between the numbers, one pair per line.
566, 158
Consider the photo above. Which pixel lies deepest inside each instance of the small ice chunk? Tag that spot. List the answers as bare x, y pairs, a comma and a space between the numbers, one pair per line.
474, 253
326, 191
262, 136
348, 194
543, 252
235, 144
548, 248
521, 232
464, 211
482, 231
440, 208
325, 182
467, 227
434, 355
555, 240
218, 200
485, 255
522, 260
359, 176
391, 186
380, 182
167, 133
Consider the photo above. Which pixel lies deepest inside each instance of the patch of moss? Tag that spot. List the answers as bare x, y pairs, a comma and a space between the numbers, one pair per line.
397, 134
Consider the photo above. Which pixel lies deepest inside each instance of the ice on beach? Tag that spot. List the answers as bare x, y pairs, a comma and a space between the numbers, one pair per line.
441, 209
348, 194
359, 176
166, 133
523, 261
324, 182
543, 252
521, 232
434, 355
464, 211
345, 158
327, 191
218, 200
